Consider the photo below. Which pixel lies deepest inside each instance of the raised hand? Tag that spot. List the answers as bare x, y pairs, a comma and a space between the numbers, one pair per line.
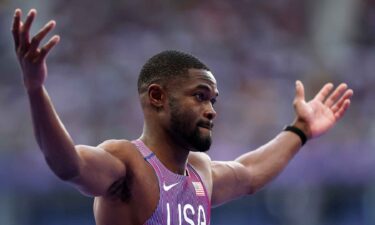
323, 111
31, 57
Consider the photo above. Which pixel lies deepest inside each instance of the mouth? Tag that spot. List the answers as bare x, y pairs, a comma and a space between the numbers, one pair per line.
206, 125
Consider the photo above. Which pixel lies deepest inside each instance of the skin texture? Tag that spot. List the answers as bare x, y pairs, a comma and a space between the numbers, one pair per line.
178, 122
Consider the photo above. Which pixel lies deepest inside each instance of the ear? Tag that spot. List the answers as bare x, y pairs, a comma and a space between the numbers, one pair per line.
156, 95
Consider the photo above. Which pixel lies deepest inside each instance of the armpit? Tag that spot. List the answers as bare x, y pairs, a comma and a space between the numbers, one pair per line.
122, 188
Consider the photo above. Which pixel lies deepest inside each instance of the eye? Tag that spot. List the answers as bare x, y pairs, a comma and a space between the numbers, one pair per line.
200, 97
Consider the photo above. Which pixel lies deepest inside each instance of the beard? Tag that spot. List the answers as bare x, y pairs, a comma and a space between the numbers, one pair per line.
183, 129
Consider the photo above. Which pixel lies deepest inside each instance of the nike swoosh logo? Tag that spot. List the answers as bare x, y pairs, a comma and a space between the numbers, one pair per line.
168, 187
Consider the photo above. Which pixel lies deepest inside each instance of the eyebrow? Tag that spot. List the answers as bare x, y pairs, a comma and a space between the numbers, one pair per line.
206, 87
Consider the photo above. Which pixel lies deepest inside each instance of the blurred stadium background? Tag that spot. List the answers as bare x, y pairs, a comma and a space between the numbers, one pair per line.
256, 49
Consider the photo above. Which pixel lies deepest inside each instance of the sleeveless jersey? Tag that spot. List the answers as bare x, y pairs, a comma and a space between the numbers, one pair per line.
183, 200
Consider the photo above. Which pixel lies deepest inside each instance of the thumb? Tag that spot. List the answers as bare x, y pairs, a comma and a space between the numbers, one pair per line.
299, 100
300, 92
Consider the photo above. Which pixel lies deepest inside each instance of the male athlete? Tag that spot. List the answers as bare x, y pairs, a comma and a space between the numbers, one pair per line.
164, 177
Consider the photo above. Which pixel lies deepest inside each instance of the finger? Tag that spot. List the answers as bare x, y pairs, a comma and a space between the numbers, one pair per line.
346, 96
35, 41
25, 29
323, 93
335, 95
47, 47
299, 99
16, 27
300, 92
342, 109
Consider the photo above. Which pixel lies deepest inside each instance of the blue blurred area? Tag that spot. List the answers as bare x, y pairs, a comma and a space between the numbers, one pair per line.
256, 49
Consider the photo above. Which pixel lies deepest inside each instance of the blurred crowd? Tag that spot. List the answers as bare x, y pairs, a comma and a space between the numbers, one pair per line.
256, 49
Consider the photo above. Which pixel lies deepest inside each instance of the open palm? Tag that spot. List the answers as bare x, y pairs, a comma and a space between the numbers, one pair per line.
324, 110
31, 57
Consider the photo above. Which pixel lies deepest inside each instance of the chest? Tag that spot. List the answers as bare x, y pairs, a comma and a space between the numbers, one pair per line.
182, 202
182, 199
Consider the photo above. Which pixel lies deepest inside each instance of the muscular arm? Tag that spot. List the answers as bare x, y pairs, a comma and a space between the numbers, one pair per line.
91, 169
251, 171
52, 137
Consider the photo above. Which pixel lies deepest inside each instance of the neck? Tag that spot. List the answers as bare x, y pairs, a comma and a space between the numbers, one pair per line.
171, 153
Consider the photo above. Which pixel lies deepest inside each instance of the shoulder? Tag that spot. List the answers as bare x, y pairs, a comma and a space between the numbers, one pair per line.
201, 162
112, 144
120, 148
115, 145
199, 159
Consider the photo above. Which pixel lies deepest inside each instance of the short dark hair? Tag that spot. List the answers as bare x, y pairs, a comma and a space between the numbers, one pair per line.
165, 66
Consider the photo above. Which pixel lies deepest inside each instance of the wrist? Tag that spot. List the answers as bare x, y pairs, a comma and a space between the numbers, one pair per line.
303, 127
302, 136
34, 90
32, 85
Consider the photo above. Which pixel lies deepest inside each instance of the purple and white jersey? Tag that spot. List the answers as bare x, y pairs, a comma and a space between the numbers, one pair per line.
183, 199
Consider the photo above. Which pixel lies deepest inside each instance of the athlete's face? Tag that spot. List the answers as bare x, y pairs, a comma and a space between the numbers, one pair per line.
191, 110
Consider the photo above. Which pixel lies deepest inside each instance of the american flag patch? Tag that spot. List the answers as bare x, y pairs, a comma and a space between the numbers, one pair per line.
199, 191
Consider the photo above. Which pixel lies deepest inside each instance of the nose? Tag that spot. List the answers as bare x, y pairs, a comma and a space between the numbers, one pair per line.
210, 113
